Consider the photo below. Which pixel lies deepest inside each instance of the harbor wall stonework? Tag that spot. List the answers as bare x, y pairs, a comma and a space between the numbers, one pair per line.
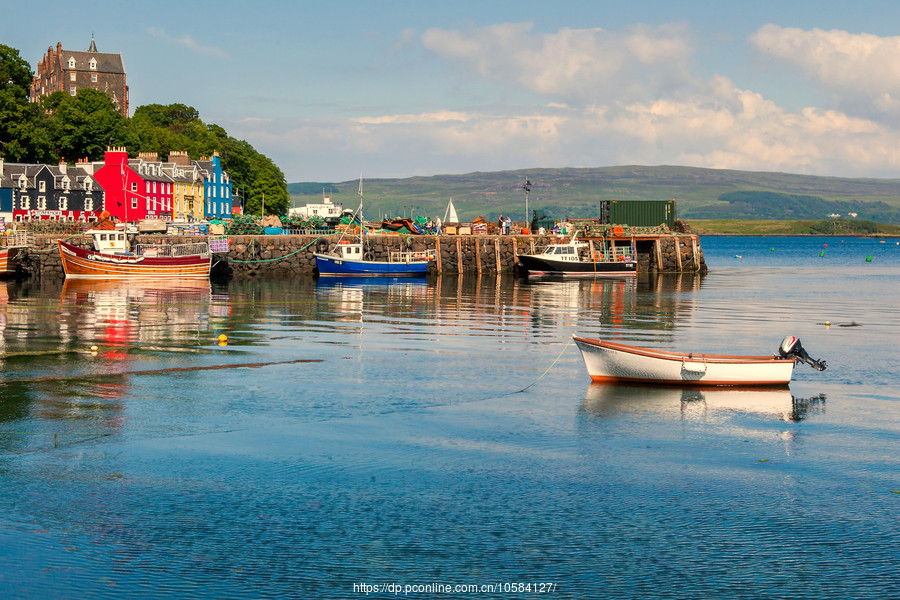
291, 255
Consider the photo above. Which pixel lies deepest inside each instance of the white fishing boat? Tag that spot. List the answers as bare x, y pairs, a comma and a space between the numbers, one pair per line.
611, 361
579, 258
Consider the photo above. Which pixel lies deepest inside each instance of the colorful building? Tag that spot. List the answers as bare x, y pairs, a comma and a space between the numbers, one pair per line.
188, 180
216, 188
135, 189
61, 193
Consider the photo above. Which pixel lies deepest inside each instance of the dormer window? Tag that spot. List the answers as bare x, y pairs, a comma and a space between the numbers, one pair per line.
23, 183
71, 62
42, 186
93, 64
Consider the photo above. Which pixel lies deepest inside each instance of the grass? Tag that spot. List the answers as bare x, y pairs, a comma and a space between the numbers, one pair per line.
799, 227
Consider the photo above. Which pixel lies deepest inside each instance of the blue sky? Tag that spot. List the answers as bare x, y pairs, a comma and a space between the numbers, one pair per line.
396, 88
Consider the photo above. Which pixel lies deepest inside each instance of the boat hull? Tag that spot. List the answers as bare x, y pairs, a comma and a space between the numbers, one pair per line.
89, 264
8, 261
536, 265
613, 362
330, 266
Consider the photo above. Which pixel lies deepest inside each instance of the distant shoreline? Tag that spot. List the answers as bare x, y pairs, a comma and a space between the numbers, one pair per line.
773, 228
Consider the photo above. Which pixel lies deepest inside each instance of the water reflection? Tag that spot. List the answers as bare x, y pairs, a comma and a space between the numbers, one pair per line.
610, 401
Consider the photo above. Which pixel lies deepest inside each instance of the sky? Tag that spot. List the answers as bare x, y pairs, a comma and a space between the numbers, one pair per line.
396, 88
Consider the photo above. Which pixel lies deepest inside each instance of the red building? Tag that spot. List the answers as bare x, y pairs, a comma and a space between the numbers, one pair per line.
137, 188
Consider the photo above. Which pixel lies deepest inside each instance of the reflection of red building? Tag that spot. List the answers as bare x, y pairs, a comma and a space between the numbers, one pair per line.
135, 189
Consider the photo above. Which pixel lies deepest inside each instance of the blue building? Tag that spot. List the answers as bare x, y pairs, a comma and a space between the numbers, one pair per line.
216, 188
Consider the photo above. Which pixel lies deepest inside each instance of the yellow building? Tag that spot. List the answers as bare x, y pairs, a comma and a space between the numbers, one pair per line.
187, 197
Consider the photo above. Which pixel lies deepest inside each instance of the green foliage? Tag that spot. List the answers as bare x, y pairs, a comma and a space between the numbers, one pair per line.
84, 125
845, 227
756, 204
23, 126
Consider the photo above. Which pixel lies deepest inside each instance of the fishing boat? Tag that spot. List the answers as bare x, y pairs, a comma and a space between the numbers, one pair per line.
614, 362
10, 245
111, 258
352, 258
579, 258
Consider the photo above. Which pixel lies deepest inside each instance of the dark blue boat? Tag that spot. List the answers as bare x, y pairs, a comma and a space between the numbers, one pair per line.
349, 259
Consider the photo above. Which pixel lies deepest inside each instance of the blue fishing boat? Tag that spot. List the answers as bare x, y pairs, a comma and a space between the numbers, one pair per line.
353, 259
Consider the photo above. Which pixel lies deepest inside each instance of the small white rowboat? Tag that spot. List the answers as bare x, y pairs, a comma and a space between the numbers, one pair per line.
611, 362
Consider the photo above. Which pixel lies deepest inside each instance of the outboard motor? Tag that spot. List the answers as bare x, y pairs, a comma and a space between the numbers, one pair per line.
791, 348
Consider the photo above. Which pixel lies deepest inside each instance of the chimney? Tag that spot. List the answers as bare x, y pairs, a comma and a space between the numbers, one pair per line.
62, 167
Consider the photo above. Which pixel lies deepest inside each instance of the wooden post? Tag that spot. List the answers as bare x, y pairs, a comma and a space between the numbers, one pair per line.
437, 253
659, 262
459, 262
678, 253
478, 255
515, 251
694, 249
497, 253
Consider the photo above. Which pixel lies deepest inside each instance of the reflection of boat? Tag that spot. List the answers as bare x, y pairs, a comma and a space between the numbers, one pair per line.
347, 258
604, 400
611, 361
582, 259
111, 258
8, 261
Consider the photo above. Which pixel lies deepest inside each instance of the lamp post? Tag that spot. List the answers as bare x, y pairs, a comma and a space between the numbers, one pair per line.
527, 188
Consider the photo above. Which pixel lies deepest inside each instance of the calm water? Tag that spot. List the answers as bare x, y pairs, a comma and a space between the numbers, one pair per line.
446, 432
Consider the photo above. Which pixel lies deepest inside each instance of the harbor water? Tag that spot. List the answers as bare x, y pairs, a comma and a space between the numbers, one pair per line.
440, 438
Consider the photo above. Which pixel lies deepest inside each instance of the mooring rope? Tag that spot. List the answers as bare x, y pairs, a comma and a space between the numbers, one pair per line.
566, 345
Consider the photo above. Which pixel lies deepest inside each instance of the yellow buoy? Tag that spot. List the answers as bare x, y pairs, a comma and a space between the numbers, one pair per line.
93, 348
223, 338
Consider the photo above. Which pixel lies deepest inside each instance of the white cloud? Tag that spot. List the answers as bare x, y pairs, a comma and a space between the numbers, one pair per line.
188, 42
665, 117
576, 64
861, 71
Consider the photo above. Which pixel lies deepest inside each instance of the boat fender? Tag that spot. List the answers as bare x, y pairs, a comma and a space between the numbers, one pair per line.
322, 246
618, 230
369, 255
597, 257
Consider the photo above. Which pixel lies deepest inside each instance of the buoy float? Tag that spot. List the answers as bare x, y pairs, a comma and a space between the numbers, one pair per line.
223, 338
93, 349
822, 253
827, 323
826, 245
869, 258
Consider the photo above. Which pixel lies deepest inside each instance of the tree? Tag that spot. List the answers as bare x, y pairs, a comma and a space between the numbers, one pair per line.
86, 124
23, 126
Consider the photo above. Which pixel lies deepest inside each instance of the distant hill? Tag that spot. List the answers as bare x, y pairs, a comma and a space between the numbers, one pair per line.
575, 193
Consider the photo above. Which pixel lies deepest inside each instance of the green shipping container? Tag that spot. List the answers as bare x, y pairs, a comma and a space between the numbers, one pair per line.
642, 213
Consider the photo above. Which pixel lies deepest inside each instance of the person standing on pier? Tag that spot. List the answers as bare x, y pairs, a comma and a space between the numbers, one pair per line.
500, 225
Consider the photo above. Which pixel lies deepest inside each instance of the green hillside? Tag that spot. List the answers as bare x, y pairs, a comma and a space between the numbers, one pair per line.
575, 193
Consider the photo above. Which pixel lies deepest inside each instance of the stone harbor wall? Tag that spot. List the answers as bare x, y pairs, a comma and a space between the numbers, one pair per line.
289, 255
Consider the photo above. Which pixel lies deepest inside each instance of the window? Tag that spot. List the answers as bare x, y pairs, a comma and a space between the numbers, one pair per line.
93, 64
72, 90
71, 62
89, 204
42, 203
42, 186
72, 76
63, 203
93, 78
134, 186
26, 202
134, 203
